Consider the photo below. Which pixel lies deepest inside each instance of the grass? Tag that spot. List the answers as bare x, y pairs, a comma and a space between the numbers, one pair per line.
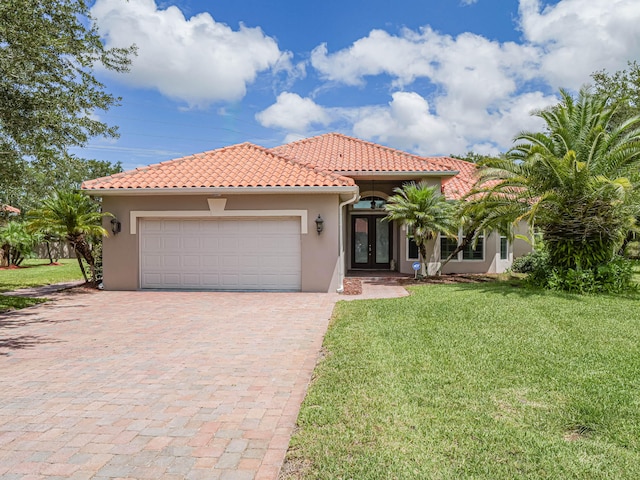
16, 303
475, 381
34, 273
38, 272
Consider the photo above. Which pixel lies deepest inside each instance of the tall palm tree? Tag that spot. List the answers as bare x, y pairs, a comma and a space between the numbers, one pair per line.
577, 182
424, 211
74, 216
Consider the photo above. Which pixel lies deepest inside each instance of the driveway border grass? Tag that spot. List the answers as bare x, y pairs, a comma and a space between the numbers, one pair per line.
475, 381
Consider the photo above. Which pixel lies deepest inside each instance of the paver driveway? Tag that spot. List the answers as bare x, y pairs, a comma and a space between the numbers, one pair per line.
156, 384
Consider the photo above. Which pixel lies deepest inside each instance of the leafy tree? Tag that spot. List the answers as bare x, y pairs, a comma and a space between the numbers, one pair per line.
48, 93
76, 217
472, 157
622, 88
573, 182
424, 211
16, 242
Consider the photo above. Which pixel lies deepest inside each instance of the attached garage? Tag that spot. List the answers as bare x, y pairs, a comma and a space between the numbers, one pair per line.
220, 254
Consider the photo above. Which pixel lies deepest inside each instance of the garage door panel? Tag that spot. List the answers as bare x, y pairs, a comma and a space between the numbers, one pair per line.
171, 226
210, 280
209, 261
171, 261
227, 254
192, 243
190, 227
191, 261
171, 243
151, 227
209, 245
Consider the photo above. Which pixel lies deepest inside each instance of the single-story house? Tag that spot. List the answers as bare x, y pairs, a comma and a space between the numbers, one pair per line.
297, 217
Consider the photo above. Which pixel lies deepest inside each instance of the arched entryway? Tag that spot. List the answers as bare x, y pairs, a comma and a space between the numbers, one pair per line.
371, 234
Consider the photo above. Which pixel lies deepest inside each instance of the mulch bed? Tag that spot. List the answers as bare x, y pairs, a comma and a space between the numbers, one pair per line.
352, 286
451, 278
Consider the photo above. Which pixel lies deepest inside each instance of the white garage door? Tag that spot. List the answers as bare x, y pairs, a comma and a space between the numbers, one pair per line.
221, 254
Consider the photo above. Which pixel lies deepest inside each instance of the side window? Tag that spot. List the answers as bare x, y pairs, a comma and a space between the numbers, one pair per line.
470, 253
447, 246
504, 248
412, 248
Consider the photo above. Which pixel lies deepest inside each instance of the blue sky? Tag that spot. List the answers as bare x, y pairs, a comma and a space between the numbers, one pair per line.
433, 77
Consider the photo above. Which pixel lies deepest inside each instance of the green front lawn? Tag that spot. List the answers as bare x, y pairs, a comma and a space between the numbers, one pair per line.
34, 273
38, 272
475, 381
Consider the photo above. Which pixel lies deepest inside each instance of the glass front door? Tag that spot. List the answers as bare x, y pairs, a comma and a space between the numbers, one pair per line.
370, 242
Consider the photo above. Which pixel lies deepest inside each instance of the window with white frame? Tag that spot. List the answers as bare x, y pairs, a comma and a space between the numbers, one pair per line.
504, 248
412, 247
448, 246
474, 253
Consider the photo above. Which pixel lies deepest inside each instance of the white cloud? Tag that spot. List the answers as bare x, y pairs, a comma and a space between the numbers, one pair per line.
427, 54
292, 112
577, 38
196, 60
408, 123
484, 90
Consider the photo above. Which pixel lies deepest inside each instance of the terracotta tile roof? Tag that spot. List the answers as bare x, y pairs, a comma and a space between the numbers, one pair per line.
340, 153
243, 165
455, 188
9, 209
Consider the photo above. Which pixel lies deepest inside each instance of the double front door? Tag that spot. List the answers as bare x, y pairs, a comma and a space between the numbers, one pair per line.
370, 242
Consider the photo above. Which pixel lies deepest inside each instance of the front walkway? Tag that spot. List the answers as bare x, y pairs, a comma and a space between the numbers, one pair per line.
166, 385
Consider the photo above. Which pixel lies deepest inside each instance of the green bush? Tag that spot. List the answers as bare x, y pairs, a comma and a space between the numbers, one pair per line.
531, 262
632, 250
612, 277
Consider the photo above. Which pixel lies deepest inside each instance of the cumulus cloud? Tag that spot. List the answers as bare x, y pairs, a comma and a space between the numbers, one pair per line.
292, 112
195, 60
427, 54
408, 122
484, 90
563, 44
576, 38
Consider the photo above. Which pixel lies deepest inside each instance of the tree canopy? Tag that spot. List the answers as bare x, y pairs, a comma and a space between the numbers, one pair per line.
621, 88
48, 91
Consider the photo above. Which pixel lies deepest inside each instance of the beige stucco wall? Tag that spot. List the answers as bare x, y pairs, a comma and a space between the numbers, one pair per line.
319, 252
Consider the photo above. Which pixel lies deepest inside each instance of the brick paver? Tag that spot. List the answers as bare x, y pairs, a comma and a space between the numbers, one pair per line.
156, 384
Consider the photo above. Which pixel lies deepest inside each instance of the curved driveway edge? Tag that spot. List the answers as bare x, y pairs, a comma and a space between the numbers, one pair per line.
156, 384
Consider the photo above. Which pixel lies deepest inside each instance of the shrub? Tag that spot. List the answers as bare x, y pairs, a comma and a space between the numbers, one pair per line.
632, 250
612, 277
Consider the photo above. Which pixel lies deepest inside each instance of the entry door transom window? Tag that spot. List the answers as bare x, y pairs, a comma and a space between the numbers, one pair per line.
370, 203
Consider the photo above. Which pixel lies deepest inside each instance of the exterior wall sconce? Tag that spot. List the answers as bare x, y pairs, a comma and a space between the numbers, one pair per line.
319, 224
116, 226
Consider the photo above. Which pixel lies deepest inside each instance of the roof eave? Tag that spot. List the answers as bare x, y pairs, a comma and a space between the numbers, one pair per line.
104, 192
411, 174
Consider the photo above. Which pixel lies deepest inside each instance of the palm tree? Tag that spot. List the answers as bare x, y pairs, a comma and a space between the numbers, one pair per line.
576, 182
16, 242
424, 211
74, 216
